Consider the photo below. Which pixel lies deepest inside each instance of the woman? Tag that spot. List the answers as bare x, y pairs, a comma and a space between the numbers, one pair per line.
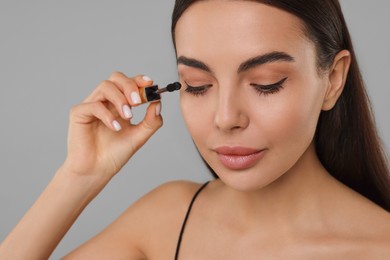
273, 99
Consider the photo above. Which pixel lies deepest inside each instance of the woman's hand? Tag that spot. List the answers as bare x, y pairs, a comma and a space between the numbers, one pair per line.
97, 149
101, 138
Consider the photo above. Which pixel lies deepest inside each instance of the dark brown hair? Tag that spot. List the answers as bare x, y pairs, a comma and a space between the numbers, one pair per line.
346, 139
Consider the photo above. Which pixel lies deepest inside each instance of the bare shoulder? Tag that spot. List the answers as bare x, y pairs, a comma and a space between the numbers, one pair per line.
372, 218
374, 243
162, 212
380, 232
171, 194
169, 200
380, 242
148, 229
359, 227
369, 224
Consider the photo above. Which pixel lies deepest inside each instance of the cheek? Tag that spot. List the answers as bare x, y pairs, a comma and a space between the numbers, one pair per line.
290, 122
286, 126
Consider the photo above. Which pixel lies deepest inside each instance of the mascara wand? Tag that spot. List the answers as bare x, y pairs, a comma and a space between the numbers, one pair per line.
152, 93
170, 88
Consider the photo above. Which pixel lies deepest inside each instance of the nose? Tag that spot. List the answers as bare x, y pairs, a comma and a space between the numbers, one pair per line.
230, 112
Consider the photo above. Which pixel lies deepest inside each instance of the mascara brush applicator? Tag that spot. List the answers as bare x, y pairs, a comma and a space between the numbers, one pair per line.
152, 93
170, 88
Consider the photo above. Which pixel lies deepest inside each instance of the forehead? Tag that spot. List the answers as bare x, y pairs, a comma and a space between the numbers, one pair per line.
217, 27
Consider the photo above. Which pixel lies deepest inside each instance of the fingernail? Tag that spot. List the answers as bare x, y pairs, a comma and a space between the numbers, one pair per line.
146, 78
135, 98
116, 125
158, 109
127, 111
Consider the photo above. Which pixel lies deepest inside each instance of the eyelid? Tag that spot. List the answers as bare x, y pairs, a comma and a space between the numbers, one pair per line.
261, 89
270, 88
197, 90
279, 83
199, 86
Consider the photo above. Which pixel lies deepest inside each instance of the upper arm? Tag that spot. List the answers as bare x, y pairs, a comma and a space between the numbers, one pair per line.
151, 224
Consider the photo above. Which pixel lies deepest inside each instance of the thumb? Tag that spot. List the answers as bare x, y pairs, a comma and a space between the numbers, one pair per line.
148, 126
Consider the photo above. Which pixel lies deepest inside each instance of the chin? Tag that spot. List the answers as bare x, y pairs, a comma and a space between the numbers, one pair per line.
249, 180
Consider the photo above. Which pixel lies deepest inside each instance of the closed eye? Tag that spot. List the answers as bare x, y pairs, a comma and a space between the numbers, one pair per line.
269, 89
197, 90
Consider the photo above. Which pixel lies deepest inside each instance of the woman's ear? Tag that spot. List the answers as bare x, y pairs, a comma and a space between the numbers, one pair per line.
337, 77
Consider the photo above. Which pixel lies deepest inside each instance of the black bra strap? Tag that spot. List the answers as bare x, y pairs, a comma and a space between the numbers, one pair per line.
185, 220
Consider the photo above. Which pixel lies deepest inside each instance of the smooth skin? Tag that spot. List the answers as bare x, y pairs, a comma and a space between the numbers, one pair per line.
286, 206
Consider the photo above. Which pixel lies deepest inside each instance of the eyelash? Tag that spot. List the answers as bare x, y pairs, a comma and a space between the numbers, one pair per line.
198, 90
261, 89
269, 89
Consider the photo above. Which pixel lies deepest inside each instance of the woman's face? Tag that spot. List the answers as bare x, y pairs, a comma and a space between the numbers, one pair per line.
251, 93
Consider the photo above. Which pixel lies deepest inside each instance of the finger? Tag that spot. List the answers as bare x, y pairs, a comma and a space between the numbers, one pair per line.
143, 81
130, 86
140, 80
149, 125
87, 113
107, 91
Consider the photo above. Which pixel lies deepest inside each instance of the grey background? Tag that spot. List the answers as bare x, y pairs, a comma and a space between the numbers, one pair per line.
54, 53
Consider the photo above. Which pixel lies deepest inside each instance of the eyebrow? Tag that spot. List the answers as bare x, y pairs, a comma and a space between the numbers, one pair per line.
193, 63
274, 56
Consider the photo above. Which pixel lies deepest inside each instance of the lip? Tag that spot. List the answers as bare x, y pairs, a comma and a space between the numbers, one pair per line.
239, 158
